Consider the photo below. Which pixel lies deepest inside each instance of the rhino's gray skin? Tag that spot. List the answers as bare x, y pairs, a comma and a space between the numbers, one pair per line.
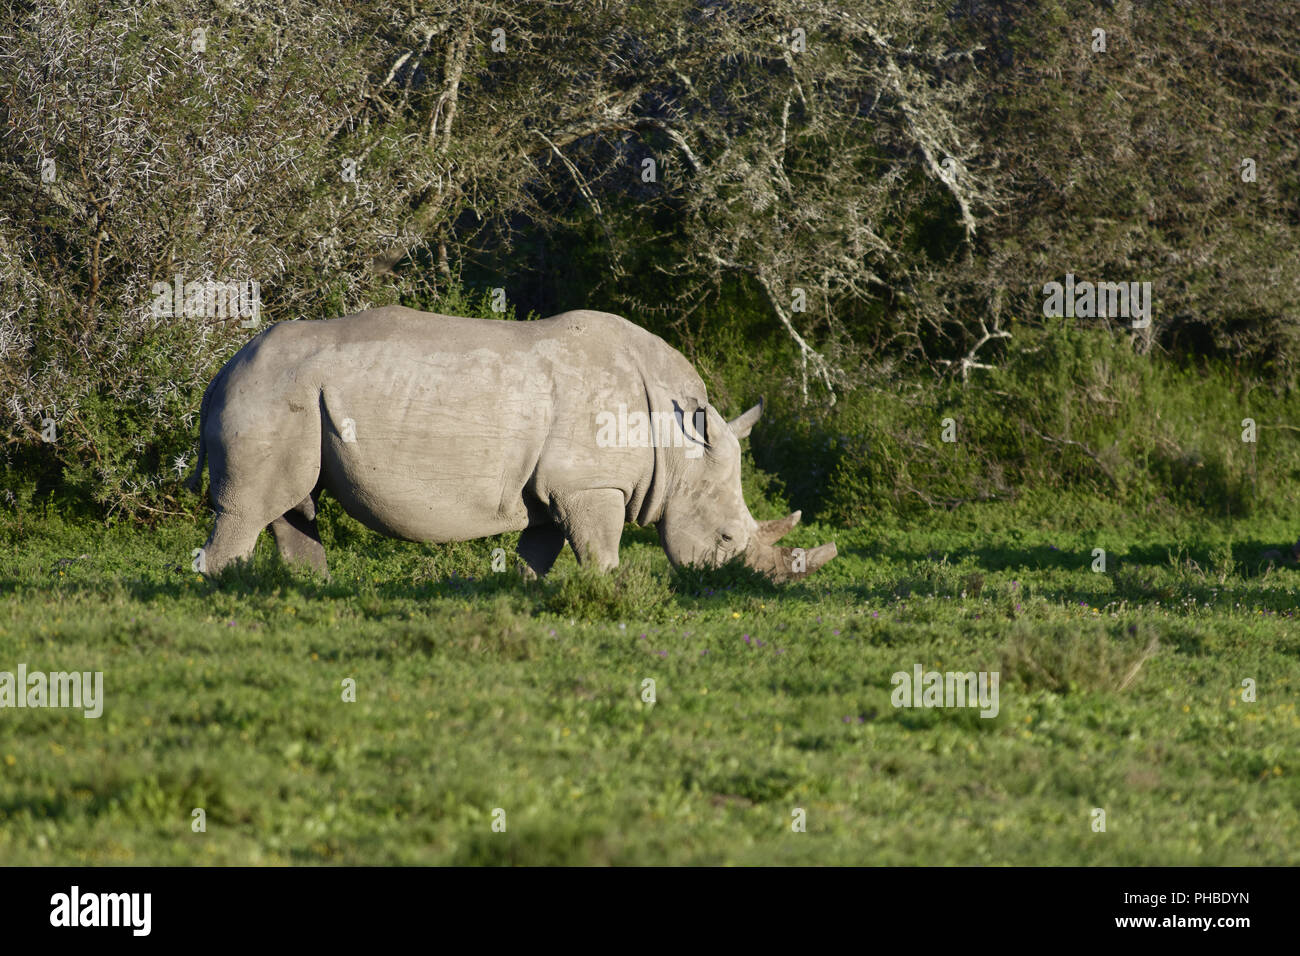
435, 428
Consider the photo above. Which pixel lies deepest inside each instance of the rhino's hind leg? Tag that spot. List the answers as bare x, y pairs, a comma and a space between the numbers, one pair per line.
593, 523
298, 539
233, 538
539, 546
256, 484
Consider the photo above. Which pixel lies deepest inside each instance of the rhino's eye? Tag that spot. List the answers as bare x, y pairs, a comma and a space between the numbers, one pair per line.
725, 536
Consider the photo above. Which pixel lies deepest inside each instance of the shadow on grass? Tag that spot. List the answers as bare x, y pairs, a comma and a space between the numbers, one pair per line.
637, 589
1208, 574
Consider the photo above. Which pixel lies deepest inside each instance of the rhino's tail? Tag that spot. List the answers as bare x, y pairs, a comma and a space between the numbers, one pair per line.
195, 481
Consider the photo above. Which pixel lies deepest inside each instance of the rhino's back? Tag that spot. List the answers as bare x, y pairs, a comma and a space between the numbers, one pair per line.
584, 331
597, 347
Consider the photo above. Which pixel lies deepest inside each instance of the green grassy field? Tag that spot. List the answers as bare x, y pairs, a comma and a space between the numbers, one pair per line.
1120, 691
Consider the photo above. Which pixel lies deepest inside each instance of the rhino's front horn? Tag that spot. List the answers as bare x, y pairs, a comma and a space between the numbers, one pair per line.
770, 532
787, 564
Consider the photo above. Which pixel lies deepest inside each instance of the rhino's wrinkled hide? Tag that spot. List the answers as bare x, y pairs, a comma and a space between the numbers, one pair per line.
436, 428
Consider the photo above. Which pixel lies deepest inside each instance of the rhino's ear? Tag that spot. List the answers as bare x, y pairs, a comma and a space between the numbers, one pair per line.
695, 426
740, 426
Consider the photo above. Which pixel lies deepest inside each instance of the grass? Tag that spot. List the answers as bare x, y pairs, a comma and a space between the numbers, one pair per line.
476, 692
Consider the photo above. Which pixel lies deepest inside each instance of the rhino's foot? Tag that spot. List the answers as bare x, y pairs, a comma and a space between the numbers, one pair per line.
298, 539
232, 540
539, 546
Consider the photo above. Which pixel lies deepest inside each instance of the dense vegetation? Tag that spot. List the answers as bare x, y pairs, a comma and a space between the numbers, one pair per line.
909, 177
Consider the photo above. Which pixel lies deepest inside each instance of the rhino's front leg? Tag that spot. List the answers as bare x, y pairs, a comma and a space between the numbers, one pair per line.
593, 523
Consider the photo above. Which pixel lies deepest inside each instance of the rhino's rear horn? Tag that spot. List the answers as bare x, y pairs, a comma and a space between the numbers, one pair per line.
741, 425
770, 532
788, 564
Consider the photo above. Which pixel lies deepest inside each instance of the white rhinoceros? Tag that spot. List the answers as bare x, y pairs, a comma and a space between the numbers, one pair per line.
436, 428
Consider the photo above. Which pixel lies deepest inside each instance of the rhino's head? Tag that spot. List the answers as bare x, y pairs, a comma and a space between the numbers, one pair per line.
705, 520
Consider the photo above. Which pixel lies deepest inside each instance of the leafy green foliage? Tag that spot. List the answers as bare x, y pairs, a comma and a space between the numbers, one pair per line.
1067, 408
